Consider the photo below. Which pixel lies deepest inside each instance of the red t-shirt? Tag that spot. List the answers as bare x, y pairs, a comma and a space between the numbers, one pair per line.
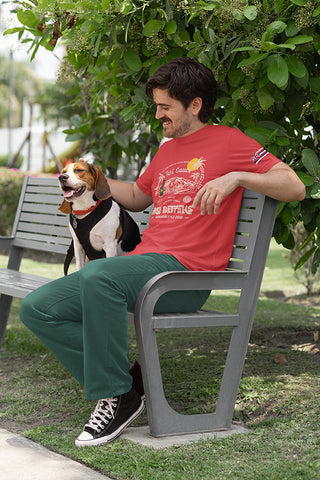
178, 170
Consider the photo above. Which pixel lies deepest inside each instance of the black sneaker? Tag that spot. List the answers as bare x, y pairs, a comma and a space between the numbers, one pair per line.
110, 418
137, 383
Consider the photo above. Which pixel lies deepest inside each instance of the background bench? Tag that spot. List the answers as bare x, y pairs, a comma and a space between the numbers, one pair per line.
40, 226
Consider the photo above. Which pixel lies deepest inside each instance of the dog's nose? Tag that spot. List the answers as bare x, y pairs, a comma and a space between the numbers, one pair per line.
63, 177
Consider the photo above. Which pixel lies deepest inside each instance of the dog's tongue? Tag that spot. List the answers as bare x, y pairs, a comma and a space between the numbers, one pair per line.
68, 193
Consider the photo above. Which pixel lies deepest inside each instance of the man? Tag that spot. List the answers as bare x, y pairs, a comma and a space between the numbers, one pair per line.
195, 182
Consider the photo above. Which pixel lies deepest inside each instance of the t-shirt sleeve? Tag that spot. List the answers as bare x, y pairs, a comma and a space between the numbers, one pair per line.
249, 155
145, 181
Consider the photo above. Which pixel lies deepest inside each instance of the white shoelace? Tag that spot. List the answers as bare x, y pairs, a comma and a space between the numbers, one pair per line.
103, 412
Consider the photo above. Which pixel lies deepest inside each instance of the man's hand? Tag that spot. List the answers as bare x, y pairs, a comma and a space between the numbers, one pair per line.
213, 192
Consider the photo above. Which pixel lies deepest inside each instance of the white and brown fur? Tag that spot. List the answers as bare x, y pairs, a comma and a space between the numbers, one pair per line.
83, 185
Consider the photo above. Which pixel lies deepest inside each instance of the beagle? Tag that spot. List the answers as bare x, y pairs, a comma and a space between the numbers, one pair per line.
99, 226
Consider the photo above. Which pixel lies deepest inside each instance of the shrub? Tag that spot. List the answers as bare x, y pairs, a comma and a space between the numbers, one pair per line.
10, 188
4, 161
11, 181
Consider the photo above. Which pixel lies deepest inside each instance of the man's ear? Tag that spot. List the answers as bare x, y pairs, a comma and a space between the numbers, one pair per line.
102, 189
65, 207
196, 105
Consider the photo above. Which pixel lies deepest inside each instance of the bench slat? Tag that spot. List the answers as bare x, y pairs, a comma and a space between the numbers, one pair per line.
43, 208
45, 190
20, 284
41, 198
26, 228
50, 181
44, 219
44, 239
241, 240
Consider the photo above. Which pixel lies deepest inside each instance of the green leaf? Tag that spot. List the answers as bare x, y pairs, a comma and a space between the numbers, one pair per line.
299, 2
13, 30
132, 60
152, 27
315, 261
315, 84
308, 180
299, 39
122, 139
244, 49
291, 29
278, 72
315, 192
316, 12
311, 161
252, 59
296, 66
278, 6
306, 241
304, 258
67, 5
290, 242
286, 215
259, 134
181, 36
250, 12
171, 27
265, 98
237, 14
27, 18
277, 26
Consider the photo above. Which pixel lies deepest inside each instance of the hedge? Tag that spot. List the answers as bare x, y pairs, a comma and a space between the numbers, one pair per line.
10, 187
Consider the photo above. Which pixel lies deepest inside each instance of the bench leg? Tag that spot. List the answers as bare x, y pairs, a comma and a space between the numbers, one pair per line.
5, 305
162, 418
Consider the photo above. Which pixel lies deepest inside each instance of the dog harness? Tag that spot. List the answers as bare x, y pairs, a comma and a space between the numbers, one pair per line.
82, 228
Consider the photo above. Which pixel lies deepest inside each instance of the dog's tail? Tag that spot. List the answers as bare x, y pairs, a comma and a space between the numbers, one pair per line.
69, 257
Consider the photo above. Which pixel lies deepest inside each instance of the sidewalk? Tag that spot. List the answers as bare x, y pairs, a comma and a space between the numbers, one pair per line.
22, 459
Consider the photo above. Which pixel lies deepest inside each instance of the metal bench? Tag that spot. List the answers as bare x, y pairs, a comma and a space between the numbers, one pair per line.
40, 226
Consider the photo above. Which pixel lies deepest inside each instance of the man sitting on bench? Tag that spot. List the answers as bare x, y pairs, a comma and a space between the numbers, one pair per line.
195, 182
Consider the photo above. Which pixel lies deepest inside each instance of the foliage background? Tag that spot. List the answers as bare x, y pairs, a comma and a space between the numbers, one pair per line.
264, 54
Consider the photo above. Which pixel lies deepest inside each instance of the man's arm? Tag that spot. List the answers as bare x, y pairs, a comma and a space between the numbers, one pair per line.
129, 195
280, 182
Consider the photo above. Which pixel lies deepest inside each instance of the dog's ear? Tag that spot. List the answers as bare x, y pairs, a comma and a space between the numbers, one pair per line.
102, 189
65, 207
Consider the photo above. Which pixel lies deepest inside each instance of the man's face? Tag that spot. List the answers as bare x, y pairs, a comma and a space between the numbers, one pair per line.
177, 120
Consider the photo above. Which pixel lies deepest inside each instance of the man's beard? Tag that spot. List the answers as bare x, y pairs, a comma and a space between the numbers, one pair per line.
175, 131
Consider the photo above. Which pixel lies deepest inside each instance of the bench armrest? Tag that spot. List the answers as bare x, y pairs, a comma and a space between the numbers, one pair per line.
5, 243
204, 280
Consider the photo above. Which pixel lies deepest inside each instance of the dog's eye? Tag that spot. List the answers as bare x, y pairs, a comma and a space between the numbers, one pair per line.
78, 170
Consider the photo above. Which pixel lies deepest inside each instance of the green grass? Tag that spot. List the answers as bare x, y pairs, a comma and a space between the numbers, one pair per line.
278, 403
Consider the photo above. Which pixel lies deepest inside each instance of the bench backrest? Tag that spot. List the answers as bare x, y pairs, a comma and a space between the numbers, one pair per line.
40, 225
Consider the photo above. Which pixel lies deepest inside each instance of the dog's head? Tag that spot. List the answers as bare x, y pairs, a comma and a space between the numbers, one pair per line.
80, 178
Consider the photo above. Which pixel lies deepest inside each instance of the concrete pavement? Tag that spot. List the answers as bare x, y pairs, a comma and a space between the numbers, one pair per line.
22, 459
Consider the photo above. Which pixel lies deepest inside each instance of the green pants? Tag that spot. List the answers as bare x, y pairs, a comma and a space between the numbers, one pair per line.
82, 318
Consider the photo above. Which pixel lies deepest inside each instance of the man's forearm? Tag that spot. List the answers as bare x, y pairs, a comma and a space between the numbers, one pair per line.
280, 183
129, 195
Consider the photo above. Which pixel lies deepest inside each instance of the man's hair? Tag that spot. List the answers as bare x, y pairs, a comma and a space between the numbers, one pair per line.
185, 79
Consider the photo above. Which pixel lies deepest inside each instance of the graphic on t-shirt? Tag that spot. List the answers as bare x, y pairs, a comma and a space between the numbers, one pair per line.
176, 186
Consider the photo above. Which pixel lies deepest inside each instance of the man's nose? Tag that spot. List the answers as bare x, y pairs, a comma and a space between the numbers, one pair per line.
159, 113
